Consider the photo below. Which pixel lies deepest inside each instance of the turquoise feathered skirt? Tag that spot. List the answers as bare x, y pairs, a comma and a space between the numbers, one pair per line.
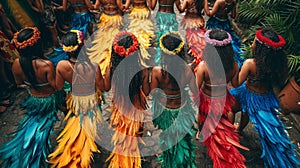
224, 24
175, 140
81, 21
30, 145
277, 149
165, 22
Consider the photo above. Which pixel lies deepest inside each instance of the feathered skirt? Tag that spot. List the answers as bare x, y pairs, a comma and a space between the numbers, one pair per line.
278, 151
30, 145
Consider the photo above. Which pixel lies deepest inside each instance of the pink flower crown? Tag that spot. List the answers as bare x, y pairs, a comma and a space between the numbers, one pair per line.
215, 42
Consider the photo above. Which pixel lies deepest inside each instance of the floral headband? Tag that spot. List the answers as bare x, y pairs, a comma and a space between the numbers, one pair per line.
121, 50
80, 39
268, 42
176, 50
215, 42
29, 42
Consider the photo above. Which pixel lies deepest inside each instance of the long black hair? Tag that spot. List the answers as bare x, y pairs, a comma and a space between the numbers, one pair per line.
171, 42
271, 63
225, 53
122, 74
28, 54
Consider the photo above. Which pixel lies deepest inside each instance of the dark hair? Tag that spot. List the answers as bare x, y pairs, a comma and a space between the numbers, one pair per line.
70, 39
28, 54
123, 75
171, 42
199, 5
271, 63
225, 53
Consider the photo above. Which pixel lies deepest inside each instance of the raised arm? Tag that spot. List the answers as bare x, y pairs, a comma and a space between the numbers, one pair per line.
214, 9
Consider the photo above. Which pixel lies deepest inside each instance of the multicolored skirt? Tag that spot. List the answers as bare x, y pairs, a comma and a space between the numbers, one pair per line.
8, 52
76, 143
100, 49
165, 22
218, 134
176, 138
142, 27
224, 24
278, 151
30, 145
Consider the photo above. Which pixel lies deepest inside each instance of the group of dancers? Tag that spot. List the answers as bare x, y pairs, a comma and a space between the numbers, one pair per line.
116, 60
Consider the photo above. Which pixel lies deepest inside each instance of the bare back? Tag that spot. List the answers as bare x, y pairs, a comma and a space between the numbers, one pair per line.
166, 6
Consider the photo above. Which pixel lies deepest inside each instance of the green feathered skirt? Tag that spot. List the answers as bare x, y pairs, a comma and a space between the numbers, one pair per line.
175, 140
30, 145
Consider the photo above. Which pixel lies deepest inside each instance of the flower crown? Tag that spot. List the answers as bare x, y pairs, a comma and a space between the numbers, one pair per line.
80, 39
268, 42
215, 42
29, 42
121, 50
176, 50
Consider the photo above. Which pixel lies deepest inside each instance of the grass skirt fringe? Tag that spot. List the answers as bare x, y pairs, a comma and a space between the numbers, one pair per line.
221, 140
30, 145
165, 22
195, 31
278, 151
100, 49
76, 142
81, 21
215, 23
128, 126
142, 27
175, 140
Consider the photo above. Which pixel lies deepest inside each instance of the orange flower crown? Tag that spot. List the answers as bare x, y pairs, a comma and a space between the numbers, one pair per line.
29, 42
121, 50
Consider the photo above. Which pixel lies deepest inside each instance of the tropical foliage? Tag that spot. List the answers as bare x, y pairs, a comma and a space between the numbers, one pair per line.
283, 16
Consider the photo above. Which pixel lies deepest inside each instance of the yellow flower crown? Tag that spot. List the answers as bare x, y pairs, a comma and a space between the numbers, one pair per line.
80, 39
29, 42
176, 50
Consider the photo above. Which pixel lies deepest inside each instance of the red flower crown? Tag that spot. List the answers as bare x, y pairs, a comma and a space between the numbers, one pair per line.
121, 50
268, 42
29, 42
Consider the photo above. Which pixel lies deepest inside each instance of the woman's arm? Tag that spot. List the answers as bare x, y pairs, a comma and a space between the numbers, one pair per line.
183, 6
233, 13
63, 7
145, 84
154, 78
51, 74
89, 4
200, 74
178, 5
36, 8
214, 9
245, 71
235, 79
153, 4
107, 80
99, 79
16, 69
59, 80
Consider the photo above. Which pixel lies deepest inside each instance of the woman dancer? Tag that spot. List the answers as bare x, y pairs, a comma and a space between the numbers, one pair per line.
172, 109
219, 20
266, 69
141, 26
31, 143
165, 21
110, 23
193, 23
218, 132
76, 142
130, 85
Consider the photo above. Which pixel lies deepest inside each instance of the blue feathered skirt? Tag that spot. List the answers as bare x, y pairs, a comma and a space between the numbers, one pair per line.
277, 149
81, 21
165, 22
224, 24
175, 140
30, 145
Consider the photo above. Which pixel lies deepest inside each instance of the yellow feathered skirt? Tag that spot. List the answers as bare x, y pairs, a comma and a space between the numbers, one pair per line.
128, 126
102, 39
76, 142
142, 27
